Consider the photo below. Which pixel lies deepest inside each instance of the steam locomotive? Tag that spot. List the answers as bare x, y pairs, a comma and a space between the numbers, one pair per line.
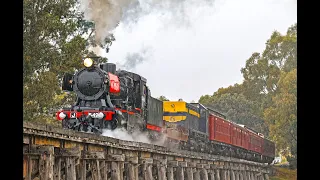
103, 96
110, 99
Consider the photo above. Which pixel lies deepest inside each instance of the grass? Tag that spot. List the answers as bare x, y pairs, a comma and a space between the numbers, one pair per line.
283, 173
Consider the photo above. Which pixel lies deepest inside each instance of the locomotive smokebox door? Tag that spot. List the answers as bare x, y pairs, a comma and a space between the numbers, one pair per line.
67, 82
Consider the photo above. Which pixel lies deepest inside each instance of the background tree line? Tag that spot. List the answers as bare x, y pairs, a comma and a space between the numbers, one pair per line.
55, 39
266, 100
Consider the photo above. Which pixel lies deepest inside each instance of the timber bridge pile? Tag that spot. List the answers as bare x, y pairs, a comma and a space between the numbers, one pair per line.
51, 153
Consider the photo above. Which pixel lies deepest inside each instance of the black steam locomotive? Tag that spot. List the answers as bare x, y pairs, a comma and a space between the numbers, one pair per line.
106, 98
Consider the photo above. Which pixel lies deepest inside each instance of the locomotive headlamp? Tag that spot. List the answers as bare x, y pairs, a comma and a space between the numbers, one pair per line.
62, 115
88, 62
100, 115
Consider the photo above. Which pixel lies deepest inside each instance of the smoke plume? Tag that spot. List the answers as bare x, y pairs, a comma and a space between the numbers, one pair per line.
135, 58
107, 14
97, 50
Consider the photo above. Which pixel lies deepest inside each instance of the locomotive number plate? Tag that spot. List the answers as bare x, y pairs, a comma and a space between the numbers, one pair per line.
73, 115
94, 115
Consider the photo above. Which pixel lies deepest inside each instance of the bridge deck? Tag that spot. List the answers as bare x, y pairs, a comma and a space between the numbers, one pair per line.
55, 153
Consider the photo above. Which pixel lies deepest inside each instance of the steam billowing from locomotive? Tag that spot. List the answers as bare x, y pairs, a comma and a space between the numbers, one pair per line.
135, 58
107, 14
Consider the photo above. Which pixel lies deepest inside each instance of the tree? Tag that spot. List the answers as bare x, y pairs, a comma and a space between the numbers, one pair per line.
163, 98
262, 71
270, 80
235, 89
53, 43
282, 116
205, 99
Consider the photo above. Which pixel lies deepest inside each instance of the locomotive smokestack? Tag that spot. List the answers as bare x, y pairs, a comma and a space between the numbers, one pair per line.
109, 67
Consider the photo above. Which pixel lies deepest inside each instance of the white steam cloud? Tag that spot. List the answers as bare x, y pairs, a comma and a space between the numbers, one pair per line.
124, 135
136, 136
107, 14
133, 59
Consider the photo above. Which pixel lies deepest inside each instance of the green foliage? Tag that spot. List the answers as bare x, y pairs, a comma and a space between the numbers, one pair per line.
235, 89
53, 44
205, 99
282, 115
163, 98
262, 72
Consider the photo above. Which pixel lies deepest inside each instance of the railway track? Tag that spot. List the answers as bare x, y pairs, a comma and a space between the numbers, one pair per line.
59, 154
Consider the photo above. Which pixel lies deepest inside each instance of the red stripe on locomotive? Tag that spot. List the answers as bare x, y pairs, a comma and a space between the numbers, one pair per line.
153, 127
108, 114
138, 109
125, 111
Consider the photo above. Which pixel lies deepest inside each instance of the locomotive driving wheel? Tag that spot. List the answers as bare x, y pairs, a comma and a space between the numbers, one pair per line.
114, 123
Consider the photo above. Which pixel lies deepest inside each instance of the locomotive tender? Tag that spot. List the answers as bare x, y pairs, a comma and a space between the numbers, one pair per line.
110, 99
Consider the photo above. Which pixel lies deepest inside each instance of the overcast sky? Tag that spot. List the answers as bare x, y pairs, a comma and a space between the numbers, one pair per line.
189, 58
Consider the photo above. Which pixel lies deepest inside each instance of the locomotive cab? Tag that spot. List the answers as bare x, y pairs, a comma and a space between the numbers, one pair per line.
133, 90
132, 97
